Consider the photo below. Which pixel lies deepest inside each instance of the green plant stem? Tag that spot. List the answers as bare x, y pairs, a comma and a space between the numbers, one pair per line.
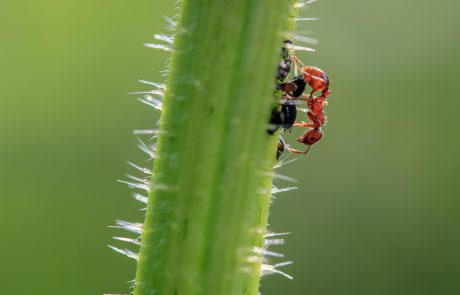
208, 205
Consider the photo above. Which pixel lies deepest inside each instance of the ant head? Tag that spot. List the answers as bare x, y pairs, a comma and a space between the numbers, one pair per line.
311, 136
316, 78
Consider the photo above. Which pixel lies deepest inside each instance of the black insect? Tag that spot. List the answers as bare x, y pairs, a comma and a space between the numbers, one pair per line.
283, 116
280, 148
293, 88
285, 65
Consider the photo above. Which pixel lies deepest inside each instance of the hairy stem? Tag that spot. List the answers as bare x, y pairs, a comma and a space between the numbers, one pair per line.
208, 205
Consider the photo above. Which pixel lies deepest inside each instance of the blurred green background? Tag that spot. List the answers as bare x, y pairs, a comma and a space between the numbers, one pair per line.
378, 211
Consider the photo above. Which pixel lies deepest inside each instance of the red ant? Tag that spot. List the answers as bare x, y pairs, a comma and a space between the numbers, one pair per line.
293, 89
318, 80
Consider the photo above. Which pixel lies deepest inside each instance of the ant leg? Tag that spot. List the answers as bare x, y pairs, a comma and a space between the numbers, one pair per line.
306, 97
303, 124
303, 97
299, 152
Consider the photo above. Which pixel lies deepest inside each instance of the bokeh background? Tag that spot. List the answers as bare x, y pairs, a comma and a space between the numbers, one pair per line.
378, 211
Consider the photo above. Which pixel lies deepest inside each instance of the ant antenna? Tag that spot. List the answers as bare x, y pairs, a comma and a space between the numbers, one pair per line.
297, 61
